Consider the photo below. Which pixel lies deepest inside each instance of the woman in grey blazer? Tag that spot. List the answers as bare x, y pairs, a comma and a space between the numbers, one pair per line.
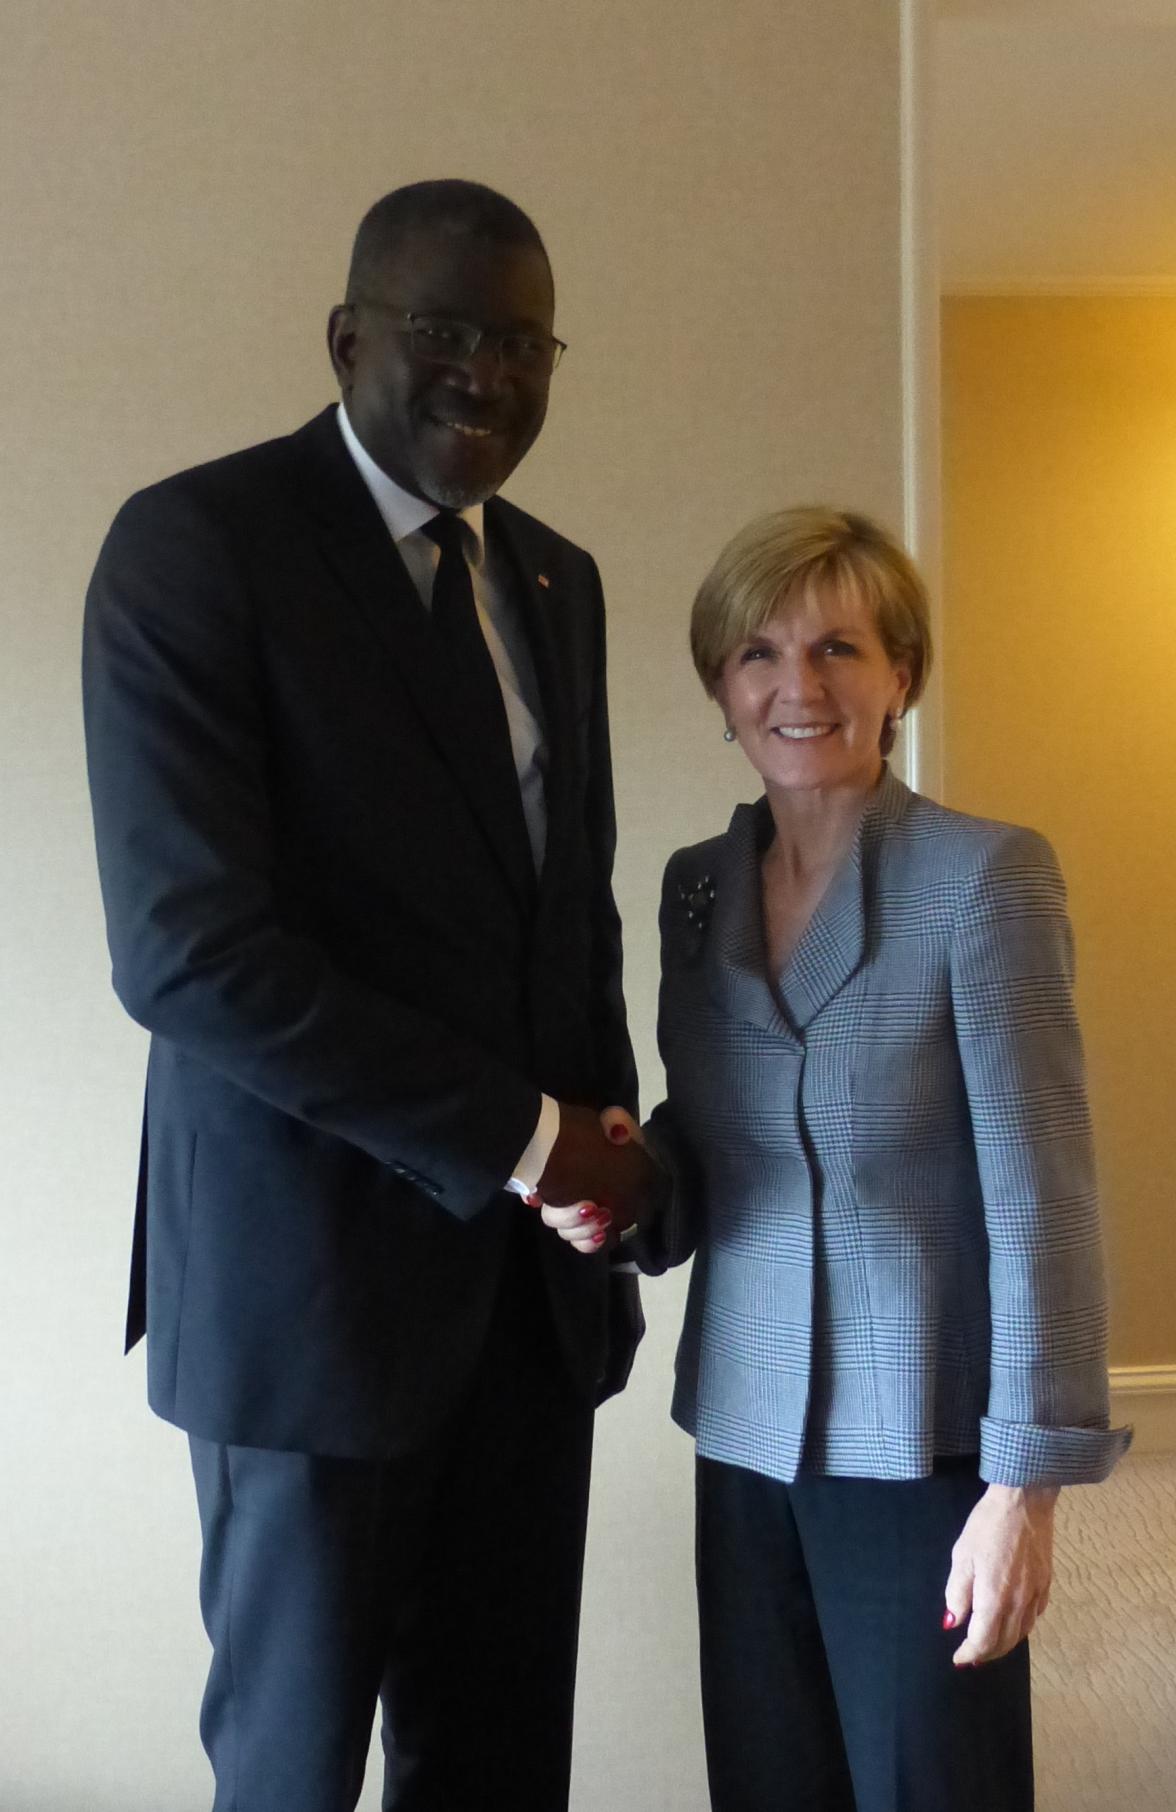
894, 1346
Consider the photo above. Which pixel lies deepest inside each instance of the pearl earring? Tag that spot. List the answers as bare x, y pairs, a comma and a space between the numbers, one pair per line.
728, 734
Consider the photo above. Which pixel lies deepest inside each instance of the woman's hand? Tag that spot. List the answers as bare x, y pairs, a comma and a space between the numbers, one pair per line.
1001, 1568
620, 1127
585, 1225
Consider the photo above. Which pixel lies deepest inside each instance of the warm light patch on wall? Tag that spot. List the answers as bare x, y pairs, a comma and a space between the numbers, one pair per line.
1060, 695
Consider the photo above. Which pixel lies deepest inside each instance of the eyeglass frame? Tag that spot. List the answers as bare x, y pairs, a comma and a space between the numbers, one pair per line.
490, 335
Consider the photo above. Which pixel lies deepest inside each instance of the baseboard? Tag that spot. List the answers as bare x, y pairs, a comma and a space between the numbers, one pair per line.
1145, 1395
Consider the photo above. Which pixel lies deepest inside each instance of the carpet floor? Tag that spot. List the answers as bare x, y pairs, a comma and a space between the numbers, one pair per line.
1104, 1656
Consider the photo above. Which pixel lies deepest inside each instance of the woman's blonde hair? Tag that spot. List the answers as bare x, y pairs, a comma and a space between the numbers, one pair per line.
779, 560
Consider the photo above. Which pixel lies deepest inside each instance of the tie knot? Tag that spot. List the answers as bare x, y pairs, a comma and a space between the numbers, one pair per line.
448, 532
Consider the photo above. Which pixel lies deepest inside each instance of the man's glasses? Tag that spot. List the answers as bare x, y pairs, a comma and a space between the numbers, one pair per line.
441, 341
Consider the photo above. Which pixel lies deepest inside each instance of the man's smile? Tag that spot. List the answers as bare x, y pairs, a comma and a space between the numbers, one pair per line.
472, 430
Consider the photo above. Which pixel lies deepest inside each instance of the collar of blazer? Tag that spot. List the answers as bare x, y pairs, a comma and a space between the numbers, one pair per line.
833, 944
360, 552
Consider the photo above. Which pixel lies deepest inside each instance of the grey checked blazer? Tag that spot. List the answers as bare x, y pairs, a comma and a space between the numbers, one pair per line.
885, 1162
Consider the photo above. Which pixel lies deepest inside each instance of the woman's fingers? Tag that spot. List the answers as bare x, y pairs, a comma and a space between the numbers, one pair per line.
1006, 1550
584, 1225
993, 1631
957, 1595
987, 1634
992, 1635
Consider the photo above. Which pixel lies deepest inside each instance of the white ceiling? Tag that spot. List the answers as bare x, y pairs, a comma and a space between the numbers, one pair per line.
1057, 137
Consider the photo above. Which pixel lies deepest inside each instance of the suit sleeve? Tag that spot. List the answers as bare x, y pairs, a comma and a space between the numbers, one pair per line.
1021, 1053
616, 1070
175, 713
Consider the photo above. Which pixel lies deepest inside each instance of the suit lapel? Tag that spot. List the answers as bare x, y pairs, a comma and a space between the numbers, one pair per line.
539, 602
357, 547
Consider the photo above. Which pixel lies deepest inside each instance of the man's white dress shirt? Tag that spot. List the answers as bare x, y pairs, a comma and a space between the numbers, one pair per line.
405, 516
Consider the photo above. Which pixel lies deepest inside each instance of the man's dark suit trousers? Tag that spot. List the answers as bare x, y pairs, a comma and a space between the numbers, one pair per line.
444, 1583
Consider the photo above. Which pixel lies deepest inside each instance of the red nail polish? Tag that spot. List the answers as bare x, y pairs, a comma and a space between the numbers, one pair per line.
588, 1211
619, 1134
598, 1239
949, 1621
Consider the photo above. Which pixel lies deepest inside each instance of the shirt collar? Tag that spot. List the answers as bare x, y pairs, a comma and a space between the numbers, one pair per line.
403, 513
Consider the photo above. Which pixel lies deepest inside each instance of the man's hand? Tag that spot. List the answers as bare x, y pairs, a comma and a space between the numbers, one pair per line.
599, 1179
1001, 1568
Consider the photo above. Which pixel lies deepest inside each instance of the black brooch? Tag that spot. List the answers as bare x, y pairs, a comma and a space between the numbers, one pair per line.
698, 898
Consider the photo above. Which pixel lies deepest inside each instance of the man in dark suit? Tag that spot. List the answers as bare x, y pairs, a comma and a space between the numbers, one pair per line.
348, 747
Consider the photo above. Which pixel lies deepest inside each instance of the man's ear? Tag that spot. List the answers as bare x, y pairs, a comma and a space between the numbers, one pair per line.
341, 337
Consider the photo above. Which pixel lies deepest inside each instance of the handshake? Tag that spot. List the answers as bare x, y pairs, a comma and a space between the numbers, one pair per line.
600, 1185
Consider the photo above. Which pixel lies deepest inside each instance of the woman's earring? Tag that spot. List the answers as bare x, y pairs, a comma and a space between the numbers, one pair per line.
728, 734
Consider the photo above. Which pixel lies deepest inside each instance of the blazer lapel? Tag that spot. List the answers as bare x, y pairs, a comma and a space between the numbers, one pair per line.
833, 944
736, 968
830, 947
359, 550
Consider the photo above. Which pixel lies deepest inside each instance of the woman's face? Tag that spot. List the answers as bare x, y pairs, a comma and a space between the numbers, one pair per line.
807, 697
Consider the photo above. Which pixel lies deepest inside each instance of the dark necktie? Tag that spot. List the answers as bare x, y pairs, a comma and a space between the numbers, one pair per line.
476, 690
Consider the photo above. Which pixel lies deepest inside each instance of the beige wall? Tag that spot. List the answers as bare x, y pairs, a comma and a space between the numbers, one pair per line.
1060, 696
720, 191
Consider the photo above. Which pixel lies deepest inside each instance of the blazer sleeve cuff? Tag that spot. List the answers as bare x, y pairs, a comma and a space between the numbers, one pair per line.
670, 1237
1023, 1453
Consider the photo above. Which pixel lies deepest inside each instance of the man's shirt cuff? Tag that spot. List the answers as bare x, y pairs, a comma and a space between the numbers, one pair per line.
533, 1162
